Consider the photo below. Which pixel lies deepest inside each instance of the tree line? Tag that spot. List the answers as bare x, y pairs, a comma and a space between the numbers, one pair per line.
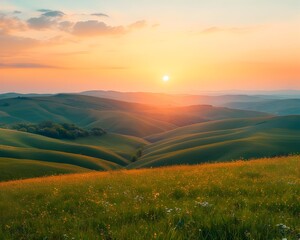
58, 130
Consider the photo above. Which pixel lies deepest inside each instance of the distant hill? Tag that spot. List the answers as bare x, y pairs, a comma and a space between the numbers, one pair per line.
112, 115
15, 95
278, 107
84, 111
171, 100
223, 141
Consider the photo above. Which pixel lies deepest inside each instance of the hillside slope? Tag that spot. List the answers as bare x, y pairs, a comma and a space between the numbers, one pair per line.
223, 141
13, 169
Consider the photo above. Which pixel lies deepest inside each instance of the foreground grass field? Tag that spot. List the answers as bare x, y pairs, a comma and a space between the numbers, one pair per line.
241, 200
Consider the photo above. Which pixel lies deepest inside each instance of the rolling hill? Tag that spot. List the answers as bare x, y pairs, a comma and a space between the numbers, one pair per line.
107, 152
114, 116
224, 140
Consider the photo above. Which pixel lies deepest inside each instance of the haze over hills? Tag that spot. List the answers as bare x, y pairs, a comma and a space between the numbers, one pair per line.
15, 95
210, 98
277, 107
170, 100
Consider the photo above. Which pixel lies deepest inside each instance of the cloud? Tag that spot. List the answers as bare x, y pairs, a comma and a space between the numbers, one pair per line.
99, 15
237, 30
47, 19
9, 43
66, 26
138, 24
41, 22
93, 28
10, 24
44, 10
58, 21
155, 25
53, 14
25, 65
17, 12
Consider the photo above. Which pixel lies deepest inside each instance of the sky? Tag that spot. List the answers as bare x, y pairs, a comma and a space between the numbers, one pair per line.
208, 45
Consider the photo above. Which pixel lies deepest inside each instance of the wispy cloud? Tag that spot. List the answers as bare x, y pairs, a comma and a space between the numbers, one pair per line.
138, 24
236, 30
10, 43
99, 14
25, 65
53, 14
44, 10
9, 24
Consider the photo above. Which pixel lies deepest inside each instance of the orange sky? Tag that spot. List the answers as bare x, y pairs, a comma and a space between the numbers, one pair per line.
205, 46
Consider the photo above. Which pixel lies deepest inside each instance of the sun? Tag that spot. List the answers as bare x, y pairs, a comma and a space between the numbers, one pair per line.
166, 78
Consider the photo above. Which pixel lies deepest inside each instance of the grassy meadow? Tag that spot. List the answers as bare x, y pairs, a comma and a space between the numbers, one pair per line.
257, 199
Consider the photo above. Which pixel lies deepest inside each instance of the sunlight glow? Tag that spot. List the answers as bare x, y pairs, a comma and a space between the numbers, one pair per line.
166, 78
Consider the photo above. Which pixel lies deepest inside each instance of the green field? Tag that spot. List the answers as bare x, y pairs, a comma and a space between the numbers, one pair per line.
240, 200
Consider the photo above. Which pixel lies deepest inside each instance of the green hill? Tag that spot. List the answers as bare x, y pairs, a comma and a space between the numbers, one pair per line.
111, 151
87, 112
114, 116
223, 141
240, 200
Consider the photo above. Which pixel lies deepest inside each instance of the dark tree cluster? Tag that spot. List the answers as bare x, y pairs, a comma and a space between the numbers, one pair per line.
58, 130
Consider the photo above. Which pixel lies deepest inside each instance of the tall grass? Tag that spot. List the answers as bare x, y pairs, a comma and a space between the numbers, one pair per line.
242, 200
